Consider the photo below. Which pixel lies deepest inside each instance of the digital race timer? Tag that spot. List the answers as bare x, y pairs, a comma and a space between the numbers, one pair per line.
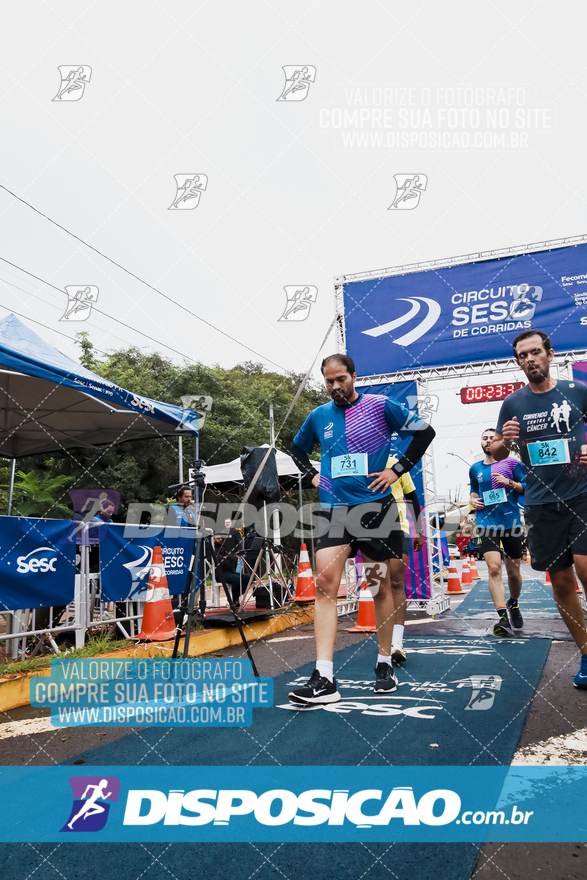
481, 393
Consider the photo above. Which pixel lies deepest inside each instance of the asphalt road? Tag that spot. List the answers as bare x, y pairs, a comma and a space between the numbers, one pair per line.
555, 731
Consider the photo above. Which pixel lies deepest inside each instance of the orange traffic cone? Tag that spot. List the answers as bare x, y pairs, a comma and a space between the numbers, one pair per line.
547, 581
454, 584
466, 573
158, 621
366, 617
473, 566
305, 586
528, 559
579, 590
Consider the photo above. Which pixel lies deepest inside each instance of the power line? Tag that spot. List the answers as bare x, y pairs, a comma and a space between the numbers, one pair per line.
32, 320
116, 320
138, 278
59, 308
94, 308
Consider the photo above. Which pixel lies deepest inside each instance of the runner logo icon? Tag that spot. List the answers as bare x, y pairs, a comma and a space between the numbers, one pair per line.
299, 301
80, 300
91, 796
298, 80
188, 191
524, 302
409, 191
74, 79
423, 327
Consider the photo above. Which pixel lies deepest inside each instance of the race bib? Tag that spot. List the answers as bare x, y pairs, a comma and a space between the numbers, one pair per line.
549, 452
351, 465
494, 496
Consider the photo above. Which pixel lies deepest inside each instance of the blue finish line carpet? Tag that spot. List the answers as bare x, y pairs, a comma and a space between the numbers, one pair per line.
460, 701
535, 602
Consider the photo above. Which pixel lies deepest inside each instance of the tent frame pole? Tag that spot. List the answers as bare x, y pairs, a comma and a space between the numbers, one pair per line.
11, 486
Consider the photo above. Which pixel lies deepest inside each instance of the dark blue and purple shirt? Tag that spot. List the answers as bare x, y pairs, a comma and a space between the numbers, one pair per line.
367, 425
506, 514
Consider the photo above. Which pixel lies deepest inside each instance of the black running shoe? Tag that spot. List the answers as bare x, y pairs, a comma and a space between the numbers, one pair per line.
318, 690
385, 680
515, 614
503, 627
398, 654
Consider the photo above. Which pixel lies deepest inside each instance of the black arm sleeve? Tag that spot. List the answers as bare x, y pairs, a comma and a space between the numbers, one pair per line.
302, 461
413, 501
420, 443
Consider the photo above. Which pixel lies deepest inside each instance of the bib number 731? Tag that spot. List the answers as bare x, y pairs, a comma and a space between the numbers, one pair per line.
350, 465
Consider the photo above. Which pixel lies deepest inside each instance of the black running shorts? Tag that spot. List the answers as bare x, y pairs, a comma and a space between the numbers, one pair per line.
492, 539
557, 532
373, 528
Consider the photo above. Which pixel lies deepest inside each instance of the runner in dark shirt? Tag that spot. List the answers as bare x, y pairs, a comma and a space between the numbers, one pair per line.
547, 417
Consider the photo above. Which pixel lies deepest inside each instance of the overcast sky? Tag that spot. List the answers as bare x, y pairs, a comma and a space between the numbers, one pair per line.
183, 88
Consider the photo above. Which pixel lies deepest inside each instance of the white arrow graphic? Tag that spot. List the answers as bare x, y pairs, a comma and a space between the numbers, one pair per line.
422, 328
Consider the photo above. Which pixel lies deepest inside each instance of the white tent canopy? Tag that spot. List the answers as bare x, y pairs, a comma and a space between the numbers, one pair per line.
230, 471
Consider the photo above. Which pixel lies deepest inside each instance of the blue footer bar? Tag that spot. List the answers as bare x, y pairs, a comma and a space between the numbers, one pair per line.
303, 804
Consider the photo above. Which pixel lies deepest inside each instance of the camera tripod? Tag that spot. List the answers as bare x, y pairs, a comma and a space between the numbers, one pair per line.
275, 568
196, 582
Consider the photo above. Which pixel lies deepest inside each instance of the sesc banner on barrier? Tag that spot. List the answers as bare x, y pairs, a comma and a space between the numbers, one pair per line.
125, 561
37, 562
466, 313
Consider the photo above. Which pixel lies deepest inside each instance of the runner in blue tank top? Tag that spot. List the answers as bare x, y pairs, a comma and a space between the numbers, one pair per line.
358, 511
547, 419
495, 489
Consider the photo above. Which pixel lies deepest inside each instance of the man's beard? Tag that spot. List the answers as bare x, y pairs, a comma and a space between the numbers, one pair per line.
340, 397
538, 377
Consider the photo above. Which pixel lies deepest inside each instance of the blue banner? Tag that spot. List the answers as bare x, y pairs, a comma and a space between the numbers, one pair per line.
329, 804
467, 313
125, 561
37, 562
417, 574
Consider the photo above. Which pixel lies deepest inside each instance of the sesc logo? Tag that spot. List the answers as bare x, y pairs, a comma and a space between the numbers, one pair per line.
41, 564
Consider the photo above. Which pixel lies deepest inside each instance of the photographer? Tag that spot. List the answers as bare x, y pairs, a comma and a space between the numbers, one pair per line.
227, 543
184, 509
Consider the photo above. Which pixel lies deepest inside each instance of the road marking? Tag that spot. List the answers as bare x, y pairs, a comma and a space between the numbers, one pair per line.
570, 748
26, 727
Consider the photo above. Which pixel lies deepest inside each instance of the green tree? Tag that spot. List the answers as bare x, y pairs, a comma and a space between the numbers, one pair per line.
35, 495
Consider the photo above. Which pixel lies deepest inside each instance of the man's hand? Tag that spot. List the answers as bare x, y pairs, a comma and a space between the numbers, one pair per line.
511, 430
583, 459
499, 478
385, 479
418, 543
476, 502
316, 481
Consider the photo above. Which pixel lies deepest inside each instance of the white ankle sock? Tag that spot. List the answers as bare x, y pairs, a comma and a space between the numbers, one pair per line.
383, 658
325, 668
398, 634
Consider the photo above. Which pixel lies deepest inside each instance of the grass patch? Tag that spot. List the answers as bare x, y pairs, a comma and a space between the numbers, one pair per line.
98, 644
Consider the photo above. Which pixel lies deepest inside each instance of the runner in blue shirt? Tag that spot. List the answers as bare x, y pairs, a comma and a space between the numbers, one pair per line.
358, 511
495, 489
547, 418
